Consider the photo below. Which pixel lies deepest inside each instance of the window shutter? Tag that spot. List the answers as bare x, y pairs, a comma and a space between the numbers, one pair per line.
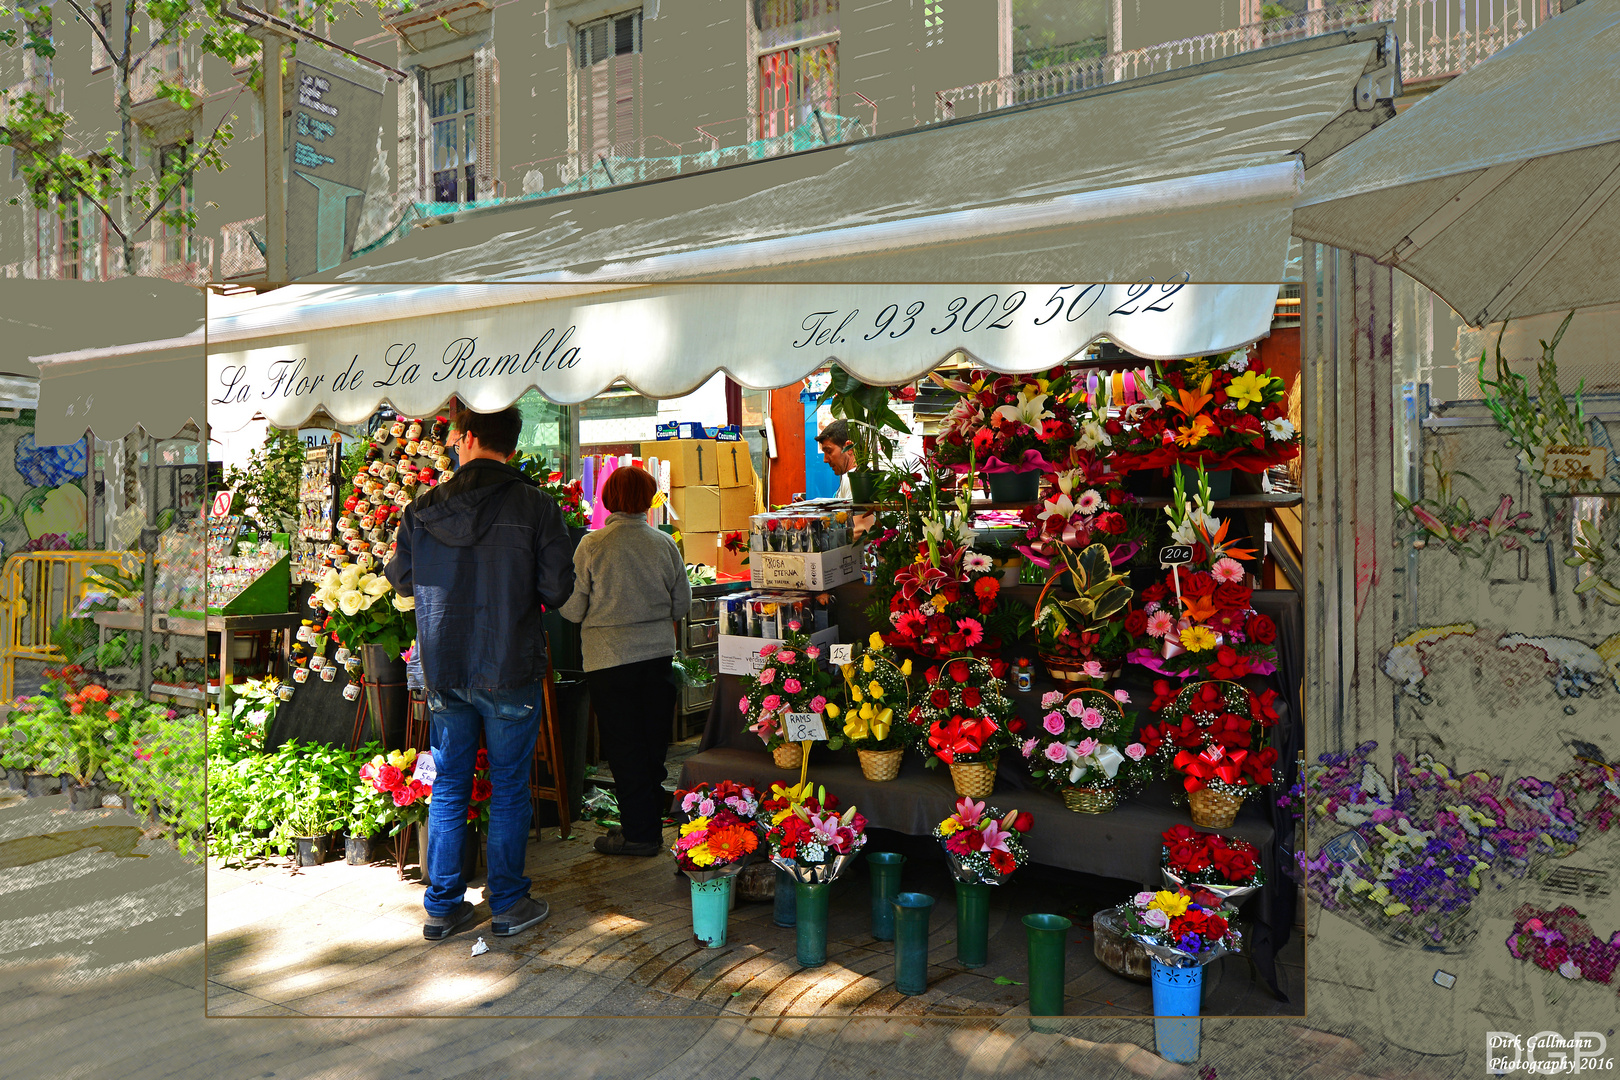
488, 78
626, 131
601, 109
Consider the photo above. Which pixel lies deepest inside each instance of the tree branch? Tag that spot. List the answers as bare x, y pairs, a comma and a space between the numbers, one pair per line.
193, 163
95, 25
65, 177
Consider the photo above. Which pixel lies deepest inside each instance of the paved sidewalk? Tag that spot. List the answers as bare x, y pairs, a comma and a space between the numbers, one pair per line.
344, 940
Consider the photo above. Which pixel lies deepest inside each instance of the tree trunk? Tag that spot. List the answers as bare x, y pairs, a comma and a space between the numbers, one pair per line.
126, 132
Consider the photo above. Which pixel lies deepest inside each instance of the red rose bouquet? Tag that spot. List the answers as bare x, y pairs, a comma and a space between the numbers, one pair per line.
1007, 423
1227, 866
964, 709
1212, 733
984, 846
1085, 741
482, 789
1176, 929
1200, 618
1221, 412
793, 680
813, 844
393, 776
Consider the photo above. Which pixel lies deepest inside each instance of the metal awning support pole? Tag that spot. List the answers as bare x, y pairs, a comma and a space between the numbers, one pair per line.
148, 562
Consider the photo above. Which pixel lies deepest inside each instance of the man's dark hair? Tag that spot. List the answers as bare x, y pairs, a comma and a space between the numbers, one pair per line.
836, 433
497, 431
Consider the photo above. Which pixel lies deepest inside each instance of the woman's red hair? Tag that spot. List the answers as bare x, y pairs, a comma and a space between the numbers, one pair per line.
629, 490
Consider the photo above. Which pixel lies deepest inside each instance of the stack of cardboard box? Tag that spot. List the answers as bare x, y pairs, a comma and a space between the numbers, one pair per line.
712, 491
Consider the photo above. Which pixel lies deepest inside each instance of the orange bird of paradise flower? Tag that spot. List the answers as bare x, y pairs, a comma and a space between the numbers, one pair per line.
1218, 545
1190, 402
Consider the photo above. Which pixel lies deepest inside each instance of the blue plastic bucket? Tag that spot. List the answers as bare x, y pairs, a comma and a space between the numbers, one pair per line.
1177, 992
711, 900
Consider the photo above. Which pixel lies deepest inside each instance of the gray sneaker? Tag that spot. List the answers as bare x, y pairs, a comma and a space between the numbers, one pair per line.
520, 916
439, 927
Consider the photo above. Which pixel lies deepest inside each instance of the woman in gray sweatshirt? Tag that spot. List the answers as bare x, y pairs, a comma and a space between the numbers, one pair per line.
630, 592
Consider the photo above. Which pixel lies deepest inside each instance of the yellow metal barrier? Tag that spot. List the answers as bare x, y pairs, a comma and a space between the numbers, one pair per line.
38, 589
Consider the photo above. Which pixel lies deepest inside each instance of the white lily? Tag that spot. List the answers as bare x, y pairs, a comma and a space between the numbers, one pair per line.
1060, 508
1104, 757
1029, 411
1092, 435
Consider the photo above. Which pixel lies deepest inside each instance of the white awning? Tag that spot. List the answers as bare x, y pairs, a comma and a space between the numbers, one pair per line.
112, 391
1498, 191
1192, 172
43, 317
346, 349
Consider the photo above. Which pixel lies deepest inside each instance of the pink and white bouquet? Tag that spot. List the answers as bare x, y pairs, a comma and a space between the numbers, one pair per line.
793, 680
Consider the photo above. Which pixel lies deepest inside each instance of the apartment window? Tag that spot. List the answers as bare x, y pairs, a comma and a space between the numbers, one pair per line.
176, 245
100, 58
608, 59
453, 132
1051, 33
70, 238
793, 84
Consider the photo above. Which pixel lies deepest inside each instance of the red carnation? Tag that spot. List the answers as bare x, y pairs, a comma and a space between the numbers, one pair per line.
1260, 628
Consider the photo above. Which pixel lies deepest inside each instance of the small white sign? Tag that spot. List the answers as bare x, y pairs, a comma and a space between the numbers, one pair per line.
222, 504
838, 655
425, 771
804, 727
1576, 462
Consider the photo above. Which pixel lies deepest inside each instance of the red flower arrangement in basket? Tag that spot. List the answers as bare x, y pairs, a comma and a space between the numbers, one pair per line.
1008, 423
1221, 412
1212, 734
965, 710
942, 601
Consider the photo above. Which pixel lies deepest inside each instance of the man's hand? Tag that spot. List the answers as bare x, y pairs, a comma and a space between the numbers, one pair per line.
862, 524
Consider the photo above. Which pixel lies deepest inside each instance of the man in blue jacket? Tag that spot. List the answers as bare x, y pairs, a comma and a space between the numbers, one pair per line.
483, 554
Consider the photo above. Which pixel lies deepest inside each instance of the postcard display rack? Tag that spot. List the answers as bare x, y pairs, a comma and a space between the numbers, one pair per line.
246, 576
317, 506
180, 588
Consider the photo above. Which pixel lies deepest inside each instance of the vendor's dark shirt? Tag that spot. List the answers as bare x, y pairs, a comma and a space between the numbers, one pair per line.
483, 555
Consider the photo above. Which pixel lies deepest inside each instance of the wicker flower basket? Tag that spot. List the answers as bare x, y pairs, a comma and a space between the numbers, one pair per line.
880, 765
1090, 800
788, 755
1213, 809
975, 780
1070, 671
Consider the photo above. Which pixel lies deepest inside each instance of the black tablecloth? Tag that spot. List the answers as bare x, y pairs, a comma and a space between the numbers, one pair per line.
1123, 844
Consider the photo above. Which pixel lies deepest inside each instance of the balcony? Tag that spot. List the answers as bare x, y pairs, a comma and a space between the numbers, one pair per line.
1439, 39
240, 255
166, 66
186, 258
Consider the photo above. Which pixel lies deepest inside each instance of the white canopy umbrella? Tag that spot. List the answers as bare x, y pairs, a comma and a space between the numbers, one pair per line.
1498, 190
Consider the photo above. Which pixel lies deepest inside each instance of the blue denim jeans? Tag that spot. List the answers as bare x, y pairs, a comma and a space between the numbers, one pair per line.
510, 722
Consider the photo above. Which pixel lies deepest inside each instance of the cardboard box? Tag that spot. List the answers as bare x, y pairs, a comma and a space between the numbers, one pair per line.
697, 509
737, 505
701, 547
734, 465
814, 571
740, 655
692, 462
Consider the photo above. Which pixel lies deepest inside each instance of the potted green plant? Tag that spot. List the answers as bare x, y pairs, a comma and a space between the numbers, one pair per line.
86, 727
317, 800
867, 411
373, 814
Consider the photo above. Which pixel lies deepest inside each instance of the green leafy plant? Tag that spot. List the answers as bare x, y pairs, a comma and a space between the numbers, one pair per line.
163, 770
866, 409
317, 792
1533, 423
267, 490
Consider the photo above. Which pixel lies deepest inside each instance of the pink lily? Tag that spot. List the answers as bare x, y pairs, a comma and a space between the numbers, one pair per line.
1429, 521
995, 837
969, 812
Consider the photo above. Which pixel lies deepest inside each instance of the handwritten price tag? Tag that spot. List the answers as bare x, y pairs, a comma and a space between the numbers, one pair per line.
1576, 462
1175, 555
783, 571
839, 655
804, 727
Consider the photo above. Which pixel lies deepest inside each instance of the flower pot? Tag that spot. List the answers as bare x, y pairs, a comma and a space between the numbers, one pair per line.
711, 900
1014, 487
861, 484
311, 850
1176, 993
810, 924
1213, 809
756, 881
880, 765
1047, 937
885, 868
1090, 800
387, 699
40, 784
1220, 481
911, 915
788, 755
84, 797
787, 901
357, 850
976, 779
16, 780
972, 923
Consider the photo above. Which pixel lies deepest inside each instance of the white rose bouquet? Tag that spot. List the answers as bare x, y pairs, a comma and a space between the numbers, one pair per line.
358, 618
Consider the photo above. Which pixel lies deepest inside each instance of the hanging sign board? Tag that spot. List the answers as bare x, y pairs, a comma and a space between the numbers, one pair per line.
336, 115
666, 340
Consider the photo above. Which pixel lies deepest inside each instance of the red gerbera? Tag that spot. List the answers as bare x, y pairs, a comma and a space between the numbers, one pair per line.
1003, 862
986, 588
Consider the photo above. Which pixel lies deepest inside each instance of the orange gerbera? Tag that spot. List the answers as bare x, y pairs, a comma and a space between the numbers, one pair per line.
728, 845
94, 693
